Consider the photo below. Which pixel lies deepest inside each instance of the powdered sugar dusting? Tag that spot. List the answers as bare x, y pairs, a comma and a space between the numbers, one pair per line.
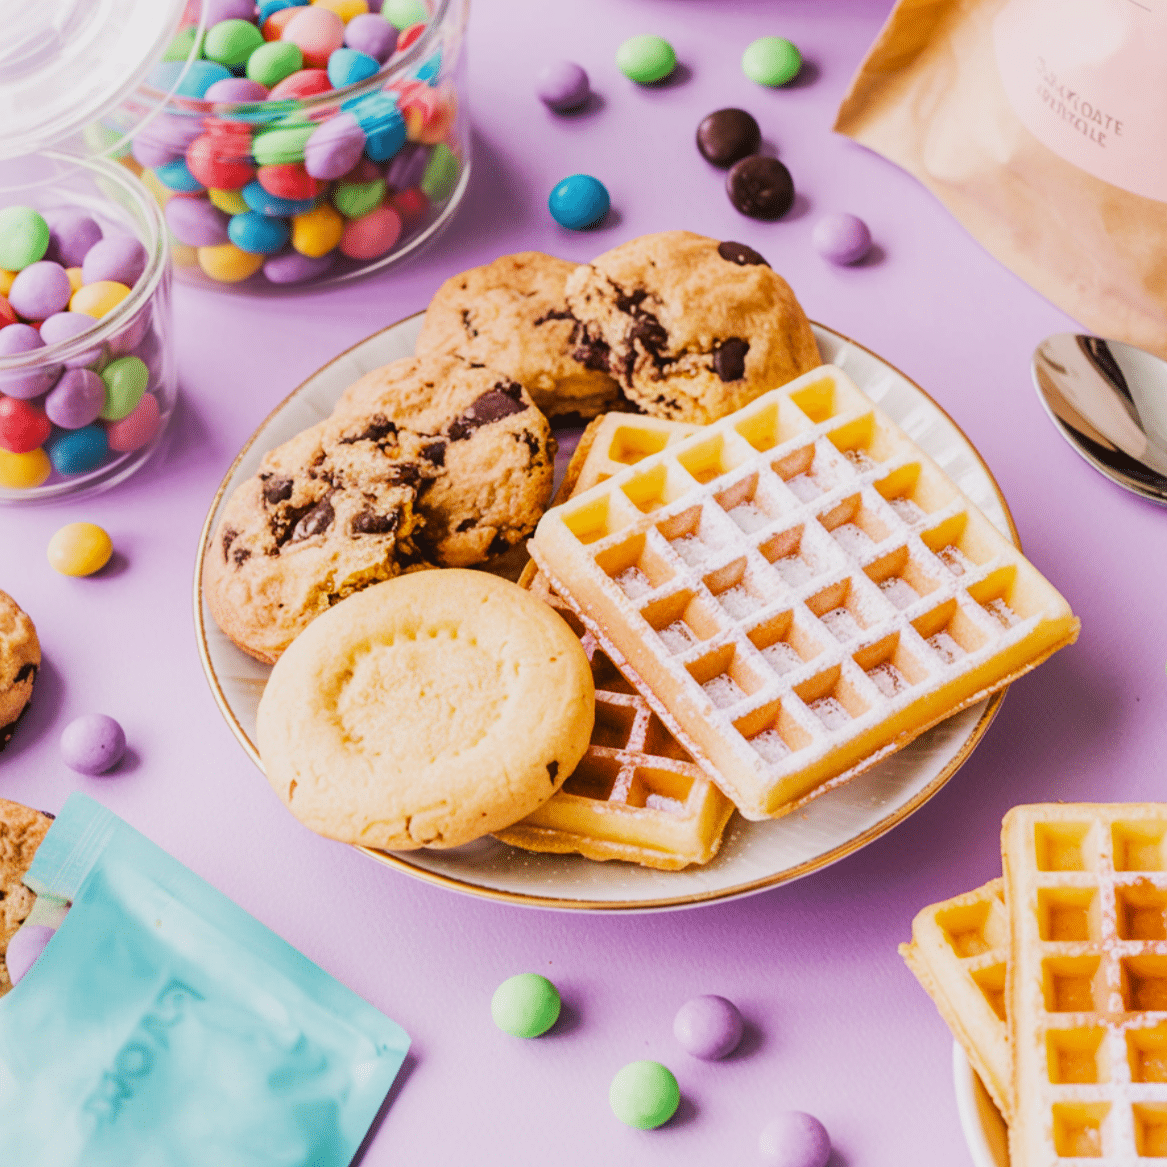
907, 510
634, 583
852, 538
897, 589
677, 636
723, 690
952, 558
831, 712
781, 657
770, 745
888, 679
749, 517
794, 569
947, 648
739, 601
841, 624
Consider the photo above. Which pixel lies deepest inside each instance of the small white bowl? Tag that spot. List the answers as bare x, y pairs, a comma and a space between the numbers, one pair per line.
984, 1129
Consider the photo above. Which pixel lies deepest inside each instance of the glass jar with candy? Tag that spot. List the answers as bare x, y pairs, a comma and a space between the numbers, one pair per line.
292, 142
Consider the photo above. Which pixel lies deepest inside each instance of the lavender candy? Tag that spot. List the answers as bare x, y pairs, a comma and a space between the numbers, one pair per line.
290, 267
27, 383
76, 400
372, 35
841, 238
66, 325
408, 166
120, 258
165, 139
40, 290
197, 222
93, 744
217, 10
562, 86
334, 147
233, 89
71, 235
131, 336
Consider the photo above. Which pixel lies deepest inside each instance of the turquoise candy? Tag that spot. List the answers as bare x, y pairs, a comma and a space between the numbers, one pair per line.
645, 59
644, 1095
260, 200
24, 237
258, 234
578, 201
176, 175
197, 77
78, 451
349, 66
384, 127
525, 1005
125, 382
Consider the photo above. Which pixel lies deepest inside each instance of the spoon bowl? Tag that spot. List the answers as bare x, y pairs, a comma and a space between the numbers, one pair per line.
1109, 401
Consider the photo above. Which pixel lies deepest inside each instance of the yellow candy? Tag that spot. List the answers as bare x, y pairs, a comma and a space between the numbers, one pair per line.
184, 256
79, 549
227, 264
230, 201
345, 9
24, 471
98, 298
6, 278
162, 194
75, 280
318, 231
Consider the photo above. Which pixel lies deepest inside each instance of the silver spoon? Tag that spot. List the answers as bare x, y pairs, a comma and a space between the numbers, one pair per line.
1109, 400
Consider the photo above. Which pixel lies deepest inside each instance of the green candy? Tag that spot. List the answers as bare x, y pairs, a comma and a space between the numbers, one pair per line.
405, 13
282, 144
231, 42
273, 61
644, 1095
526, 1005
645, 59
354, 199
24, 238
180, 48
771, 60
125, 382
441, 174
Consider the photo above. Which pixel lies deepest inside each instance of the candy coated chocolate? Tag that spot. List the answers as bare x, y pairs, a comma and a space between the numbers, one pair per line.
66, 325
644, 1095
236, 89
23, 427
30, 382
372, 235
231, 42
120, 258
218, 10
645, 59
195, 222
76, 400
302, 83
579, 201
708, 1027
771, 60
24, 237
403, 14
408, 166
317, 32
275, 60
350, 67
795, 1139
562, 86
135, 429
760, 187
40, 290
289, 180
24, 948
727, 135
165, 139
525, 1005
372, 35
335, 147
94, 743
841, 238
78, 451
125, 381
71, 235
290, 267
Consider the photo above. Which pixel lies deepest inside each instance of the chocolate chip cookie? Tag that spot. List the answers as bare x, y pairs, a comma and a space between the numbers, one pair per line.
20, 658
512, 316
21, 832
692, 328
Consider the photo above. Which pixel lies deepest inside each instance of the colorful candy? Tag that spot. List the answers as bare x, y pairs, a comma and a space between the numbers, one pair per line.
76, 400
318, 231
93, 744
795, 1139
646, 59
98, 298
403, 14
772, 61
227, 264
579, 201
78, 451
708, 1027
137, 428
125, 381
273, 61
24, 471
526, 1005
24, 238
117, 258
841, 238
23, 427
644, 1095
372, 235
40, 290
563, 86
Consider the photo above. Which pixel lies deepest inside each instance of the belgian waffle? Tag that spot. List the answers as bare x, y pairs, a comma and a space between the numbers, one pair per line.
799, 589
959, 951
1087, 986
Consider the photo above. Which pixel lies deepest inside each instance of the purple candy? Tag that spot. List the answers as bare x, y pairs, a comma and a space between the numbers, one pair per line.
841, 238
30, 383
65, 326
408, 166
375, 5
335, 147
217, 10
197, 222
795, 1139
24, 948
708, 1027
291, 267
563, 85
120, 258
40, 290
71, 235
131, 336
371, 34
232, 89
93, 744
76, 399
165, 139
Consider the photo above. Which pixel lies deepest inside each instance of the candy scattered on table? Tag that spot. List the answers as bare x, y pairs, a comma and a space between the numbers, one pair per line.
79, 549
841, 238
526, 1005
93, 744
728, 135
760, 187
563, 86
24, 948
795, 1139
646, 59
644, 1095
578, 202
708, 1027
772, 61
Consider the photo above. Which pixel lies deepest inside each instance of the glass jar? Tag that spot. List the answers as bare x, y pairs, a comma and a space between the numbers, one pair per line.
107, 448
306, 187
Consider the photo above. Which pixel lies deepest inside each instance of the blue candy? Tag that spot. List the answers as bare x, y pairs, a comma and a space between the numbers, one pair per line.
349, 66
430, 69
259, 200
176, 175
377, 114
199, 77
258, 234
579, 201
78, 451
270, 6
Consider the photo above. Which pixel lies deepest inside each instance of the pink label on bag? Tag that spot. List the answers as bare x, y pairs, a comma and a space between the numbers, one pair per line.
1088, 78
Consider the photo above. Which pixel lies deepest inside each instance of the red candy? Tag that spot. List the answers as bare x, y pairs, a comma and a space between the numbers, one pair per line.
273, 27
364, 171
409, 36
136, 428
289, 180
305, 83
221, 161
7, 315
23, 427
410, 204
371, 235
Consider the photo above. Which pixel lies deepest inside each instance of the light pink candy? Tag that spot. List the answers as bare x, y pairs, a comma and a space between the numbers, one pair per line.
136, 428
371, 235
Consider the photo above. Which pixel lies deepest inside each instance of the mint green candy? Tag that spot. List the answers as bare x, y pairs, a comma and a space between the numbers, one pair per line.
644, 1095
24, 238
441, 174
282, 144
645, 59
180, 48
273, 61
526, 1005
771, 60
405, 13
231, 42
354, 199
125, 382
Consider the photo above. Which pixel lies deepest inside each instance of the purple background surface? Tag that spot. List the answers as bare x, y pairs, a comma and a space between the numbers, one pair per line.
835, 1023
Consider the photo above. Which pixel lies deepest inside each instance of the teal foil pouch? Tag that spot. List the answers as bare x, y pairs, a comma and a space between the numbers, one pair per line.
163, 1026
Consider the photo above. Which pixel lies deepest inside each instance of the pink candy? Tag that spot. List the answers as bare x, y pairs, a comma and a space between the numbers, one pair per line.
318, 31
371, 235
136, 428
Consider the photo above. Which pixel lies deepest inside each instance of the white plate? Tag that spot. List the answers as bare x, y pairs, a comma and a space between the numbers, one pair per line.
753, 856
984, 1129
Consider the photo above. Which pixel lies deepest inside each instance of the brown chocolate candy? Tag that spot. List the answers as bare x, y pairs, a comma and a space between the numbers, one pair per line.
760, 187
727, 135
